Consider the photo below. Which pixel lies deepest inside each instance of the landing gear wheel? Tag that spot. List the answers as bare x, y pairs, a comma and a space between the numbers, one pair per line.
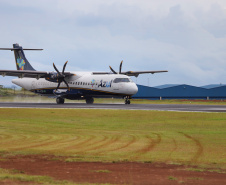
60, 100
89, 100
127, 101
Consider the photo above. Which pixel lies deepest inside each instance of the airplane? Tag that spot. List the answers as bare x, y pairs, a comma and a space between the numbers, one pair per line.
72, 85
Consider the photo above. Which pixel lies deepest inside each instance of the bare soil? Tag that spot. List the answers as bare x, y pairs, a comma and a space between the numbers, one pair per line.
113, 173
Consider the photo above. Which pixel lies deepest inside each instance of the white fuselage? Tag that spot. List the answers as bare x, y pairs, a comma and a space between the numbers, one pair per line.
85, 84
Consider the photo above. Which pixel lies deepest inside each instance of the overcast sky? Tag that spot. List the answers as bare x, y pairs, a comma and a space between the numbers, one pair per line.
186, 37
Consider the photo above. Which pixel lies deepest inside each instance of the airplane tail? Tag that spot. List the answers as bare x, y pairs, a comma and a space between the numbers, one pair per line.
21, 61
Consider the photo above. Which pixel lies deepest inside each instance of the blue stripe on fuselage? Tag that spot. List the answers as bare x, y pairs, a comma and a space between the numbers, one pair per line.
76, 93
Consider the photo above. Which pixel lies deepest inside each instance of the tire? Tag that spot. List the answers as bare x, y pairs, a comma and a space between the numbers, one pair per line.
89, 100
60, 100
127, 101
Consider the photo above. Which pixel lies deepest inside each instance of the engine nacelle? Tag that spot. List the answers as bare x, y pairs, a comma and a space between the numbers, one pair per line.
52, 77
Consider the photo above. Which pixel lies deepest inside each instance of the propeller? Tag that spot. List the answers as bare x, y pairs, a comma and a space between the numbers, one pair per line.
120, 69
61, 76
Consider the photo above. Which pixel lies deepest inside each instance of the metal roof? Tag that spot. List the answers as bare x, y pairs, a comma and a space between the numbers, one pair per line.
166, 86
182, 91
212, 86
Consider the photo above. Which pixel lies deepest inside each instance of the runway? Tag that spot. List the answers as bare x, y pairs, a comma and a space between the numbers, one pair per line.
159, 107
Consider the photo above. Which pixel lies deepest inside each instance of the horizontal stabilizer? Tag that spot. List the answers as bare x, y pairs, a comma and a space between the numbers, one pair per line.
30, 73
12, 49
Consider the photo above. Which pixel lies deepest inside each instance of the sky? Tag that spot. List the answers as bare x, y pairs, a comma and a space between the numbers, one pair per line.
185, 37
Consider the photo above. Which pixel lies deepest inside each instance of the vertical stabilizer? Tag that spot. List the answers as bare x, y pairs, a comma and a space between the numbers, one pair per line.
21, 61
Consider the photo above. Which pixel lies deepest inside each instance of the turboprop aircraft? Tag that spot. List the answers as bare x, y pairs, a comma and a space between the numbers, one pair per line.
72, 85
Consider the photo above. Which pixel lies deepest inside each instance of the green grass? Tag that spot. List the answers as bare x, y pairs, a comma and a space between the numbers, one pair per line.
14, 176
180, 101
195, 178
205, 170
116, 135
172, 178
101, 171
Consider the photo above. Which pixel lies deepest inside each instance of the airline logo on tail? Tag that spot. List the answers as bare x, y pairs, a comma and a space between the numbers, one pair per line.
20, 63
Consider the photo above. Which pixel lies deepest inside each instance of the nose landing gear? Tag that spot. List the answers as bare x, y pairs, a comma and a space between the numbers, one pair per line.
127, 100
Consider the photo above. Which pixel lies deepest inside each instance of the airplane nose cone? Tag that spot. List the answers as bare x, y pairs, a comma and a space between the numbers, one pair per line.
134, 89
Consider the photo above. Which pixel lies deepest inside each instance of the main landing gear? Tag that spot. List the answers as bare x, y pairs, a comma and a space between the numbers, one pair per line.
89, 100
60, 100
127, 100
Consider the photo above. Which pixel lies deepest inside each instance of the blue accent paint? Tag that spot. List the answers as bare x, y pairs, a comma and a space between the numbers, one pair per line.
20, 63
76, 93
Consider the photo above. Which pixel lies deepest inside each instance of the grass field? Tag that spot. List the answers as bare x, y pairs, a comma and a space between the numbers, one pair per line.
116, 135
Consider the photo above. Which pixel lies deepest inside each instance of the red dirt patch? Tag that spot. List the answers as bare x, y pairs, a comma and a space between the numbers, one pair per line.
115, 173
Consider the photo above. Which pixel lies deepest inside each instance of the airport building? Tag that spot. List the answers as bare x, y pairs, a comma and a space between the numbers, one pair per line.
182, 91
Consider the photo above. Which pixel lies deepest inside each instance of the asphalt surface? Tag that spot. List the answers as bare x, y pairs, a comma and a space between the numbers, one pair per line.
159, 107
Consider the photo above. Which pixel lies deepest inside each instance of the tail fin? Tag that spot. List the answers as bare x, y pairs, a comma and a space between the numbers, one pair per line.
21, 61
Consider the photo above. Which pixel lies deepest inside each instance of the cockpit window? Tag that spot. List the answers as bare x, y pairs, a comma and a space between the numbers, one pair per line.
119, 80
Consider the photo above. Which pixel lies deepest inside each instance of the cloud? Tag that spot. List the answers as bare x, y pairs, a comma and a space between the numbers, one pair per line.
188, 37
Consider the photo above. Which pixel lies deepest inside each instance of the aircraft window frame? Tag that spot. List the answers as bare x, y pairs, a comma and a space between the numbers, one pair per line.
121, 80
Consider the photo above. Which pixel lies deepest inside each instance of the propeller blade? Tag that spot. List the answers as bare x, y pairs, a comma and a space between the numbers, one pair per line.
58, 86
56, 69
120, 67
66, 84
112, 70
64, 67
60, 76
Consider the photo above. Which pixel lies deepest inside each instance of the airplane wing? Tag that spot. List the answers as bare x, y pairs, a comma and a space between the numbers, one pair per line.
136, 73
28, 73
130, 73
